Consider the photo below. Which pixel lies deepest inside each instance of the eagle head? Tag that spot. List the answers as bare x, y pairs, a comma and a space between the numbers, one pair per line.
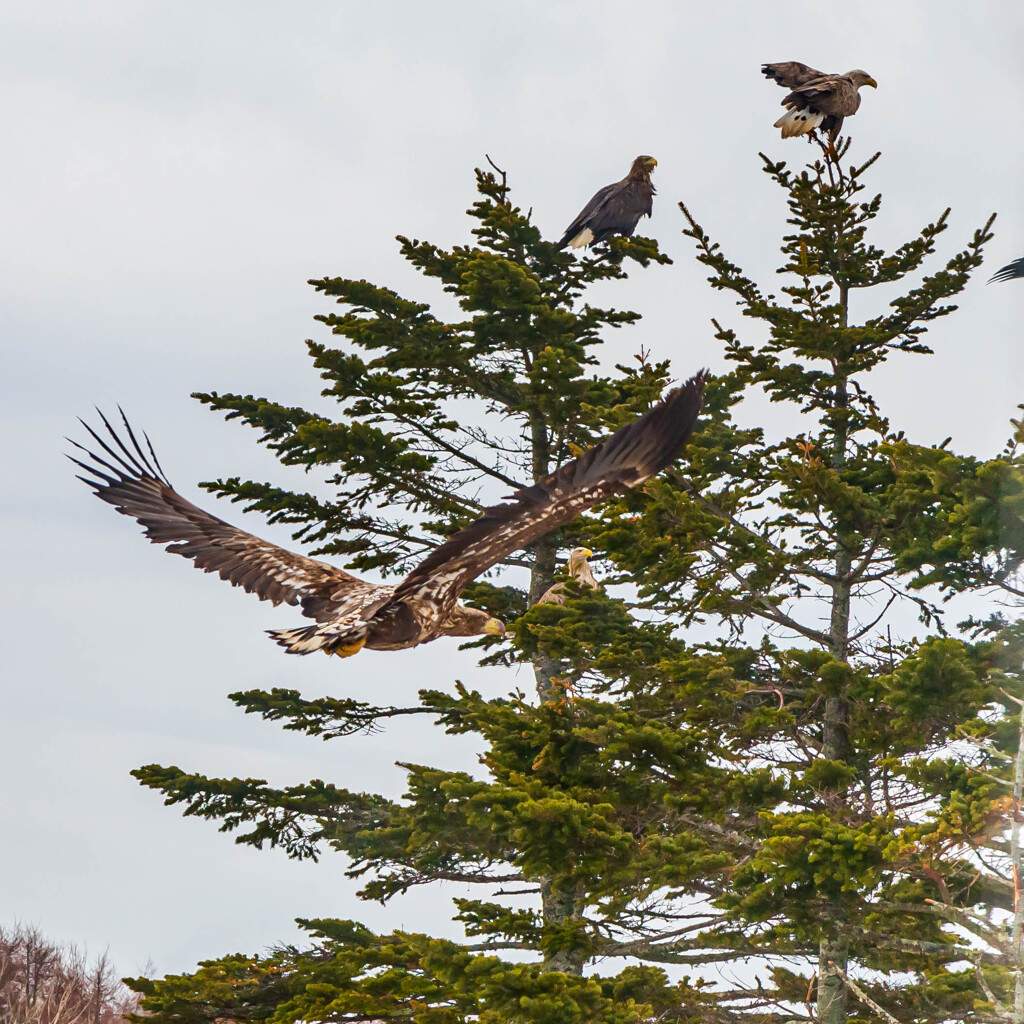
860, 78
579, 555
642, 167
465, 621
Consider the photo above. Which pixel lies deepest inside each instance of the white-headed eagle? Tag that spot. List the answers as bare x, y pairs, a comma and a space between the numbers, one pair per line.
615, 209
816, 100
579, 572
350, 613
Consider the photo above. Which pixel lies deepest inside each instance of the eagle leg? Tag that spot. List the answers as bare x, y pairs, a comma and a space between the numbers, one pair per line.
347, 650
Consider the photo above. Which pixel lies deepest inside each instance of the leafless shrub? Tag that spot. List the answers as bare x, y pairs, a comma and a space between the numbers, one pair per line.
43, 982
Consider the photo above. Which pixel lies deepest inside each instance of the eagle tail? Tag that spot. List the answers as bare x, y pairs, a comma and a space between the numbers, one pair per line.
307, 639
798, 121
584, 237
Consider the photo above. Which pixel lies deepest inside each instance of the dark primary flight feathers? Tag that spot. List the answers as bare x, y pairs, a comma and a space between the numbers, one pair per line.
350, 613
1009, 272
615, 209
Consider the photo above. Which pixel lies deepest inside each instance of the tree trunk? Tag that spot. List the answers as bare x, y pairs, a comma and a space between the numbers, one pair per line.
833, 947
544, 550
557, 905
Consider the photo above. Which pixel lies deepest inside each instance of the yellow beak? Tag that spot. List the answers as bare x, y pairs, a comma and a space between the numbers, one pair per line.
872, 83
495, 627
587, 553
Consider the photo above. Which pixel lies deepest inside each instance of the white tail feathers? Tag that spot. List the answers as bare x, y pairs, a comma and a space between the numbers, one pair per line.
304, 640
798, 122
585, 237
307, 639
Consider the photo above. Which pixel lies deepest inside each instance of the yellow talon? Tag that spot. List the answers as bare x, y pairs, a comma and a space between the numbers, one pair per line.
347, 650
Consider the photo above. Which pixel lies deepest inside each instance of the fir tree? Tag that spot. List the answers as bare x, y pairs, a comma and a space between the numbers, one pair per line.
792, 795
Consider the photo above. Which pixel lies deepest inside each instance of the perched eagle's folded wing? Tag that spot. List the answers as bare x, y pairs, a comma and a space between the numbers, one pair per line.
135, 485
597, 201
791, 73
1009, 272
627, 458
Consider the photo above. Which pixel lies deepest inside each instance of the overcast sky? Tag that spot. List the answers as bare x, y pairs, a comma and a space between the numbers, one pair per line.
173, 174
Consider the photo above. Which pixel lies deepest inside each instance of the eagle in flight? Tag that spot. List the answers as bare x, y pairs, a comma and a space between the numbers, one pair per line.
615, 209
816, 100
348, 613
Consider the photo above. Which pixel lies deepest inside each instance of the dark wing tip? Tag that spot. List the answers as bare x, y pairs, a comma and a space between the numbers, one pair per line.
125, 460
671, 423
1009, 272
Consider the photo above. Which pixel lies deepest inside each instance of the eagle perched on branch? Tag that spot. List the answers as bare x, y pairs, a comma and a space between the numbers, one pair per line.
579, 572
348, 613
615, 209
816, 100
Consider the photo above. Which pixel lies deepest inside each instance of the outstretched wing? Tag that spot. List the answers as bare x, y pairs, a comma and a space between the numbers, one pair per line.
1009, 272
133, 482
627, 458
791, 74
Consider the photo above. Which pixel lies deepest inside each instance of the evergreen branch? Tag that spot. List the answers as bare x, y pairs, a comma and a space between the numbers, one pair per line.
486, 947
1002, 1011
875, 621
804, 570
854, 575
766, 608
472, 877
964, 917
422, 428
315, 716
947, 951
736, 838
862, 995
696, 953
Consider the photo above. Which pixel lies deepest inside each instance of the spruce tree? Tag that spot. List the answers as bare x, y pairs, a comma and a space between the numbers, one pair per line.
791, 799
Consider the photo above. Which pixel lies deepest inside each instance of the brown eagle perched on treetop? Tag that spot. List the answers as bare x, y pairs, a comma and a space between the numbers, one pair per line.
816, 100
350, 613
615, 209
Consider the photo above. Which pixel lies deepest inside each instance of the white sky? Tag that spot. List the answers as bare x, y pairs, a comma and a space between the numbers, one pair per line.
173, 174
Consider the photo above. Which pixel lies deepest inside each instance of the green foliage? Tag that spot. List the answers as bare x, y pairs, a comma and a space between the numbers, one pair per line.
350, 973
806, 790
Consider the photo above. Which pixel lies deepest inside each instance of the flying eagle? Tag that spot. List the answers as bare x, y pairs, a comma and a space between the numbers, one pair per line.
579, 572
816, 100
350, 613
1009, 272
615, 209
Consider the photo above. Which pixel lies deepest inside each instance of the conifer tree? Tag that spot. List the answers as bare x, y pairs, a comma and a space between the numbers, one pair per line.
790, 796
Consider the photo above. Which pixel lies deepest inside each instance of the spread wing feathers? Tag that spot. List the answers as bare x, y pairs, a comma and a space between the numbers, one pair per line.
627, 458
132, 481
790, 73
614, 209
1009, 272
